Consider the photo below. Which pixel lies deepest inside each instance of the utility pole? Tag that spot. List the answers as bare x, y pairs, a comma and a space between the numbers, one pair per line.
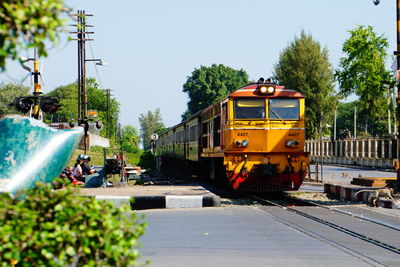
81, 33
389, 114
334, 126
108, 94
82, 38
355, 123
320, 147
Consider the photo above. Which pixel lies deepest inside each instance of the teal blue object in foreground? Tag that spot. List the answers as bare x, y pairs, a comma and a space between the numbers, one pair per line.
31, 151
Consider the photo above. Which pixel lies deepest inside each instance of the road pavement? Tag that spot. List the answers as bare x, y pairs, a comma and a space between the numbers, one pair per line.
243, 236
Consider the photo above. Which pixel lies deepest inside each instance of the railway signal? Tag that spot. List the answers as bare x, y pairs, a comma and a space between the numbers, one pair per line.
85, 124
22, 104
37, 103
46, 104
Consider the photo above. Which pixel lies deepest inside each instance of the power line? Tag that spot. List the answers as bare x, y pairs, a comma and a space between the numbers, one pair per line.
95, 66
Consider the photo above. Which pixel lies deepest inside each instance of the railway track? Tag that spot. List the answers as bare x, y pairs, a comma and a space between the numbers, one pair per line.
349, 213
343, 229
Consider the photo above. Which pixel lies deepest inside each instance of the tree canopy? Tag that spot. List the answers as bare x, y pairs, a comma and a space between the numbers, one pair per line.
96, 99
305, 66
363, 73
210, 84
149, 124
8, 91
130, 139
29, 23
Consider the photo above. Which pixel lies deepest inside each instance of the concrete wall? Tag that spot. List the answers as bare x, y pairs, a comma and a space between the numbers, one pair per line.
95, 140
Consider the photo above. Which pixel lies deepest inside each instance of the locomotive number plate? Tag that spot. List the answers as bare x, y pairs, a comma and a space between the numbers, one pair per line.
242, 134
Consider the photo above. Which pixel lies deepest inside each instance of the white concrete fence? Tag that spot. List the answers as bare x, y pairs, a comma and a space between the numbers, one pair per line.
371, 152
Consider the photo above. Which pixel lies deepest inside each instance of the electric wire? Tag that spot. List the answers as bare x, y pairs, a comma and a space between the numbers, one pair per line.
95, 66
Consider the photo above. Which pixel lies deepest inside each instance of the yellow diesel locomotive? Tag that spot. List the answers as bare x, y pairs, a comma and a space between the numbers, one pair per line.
253, 139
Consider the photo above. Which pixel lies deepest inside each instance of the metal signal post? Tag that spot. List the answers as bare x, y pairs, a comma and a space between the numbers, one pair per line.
37, 104
37, 88
397, 53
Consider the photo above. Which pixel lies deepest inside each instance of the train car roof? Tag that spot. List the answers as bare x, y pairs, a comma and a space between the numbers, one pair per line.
252, 90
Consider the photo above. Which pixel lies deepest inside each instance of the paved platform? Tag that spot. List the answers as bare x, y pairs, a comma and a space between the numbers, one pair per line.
156, 196
357, 193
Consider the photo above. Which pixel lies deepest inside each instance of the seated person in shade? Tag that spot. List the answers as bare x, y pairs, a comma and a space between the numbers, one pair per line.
86, 168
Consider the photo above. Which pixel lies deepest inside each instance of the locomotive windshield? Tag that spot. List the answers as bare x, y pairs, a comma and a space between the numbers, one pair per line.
284, 109
246, 108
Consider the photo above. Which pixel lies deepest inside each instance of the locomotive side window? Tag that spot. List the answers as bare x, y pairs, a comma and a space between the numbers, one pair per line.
284, 109
246, 108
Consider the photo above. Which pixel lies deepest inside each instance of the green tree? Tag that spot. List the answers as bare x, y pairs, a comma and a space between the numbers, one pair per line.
305, 66
210, 84
68, 96
96, 99
130, 139
362, 72
345, 119
29, 23
8, 91
149, 124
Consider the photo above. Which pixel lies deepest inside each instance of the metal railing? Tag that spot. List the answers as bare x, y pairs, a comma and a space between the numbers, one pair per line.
371, 152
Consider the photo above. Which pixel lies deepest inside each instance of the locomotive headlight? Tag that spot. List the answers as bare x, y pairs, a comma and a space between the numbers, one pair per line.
238, 143
270, 89
289, 143
263, 89
245, 143
266, 89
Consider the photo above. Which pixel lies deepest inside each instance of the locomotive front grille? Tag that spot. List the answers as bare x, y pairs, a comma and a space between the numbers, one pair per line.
264, 169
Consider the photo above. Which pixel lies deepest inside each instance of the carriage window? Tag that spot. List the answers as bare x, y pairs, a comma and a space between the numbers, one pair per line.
246, 108
284, 109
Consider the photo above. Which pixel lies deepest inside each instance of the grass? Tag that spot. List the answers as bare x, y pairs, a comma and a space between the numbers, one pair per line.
97, 157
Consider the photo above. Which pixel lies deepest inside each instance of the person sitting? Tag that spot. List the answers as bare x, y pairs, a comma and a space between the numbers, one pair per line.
77, 170
93, 179
86, 169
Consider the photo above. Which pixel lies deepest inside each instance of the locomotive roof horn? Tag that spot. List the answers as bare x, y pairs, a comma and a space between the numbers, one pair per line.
262, 81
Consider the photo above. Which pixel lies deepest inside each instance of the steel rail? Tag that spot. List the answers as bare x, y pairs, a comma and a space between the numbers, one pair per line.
334, 226
349, 213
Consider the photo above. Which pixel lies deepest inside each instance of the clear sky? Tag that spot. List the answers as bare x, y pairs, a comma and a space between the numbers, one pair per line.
151, 47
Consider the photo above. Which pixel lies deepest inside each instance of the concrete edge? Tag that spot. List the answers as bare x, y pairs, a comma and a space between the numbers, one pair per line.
163, 202
351, 194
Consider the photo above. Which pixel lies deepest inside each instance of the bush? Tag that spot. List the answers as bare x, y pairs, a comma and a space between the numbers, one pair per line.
133, 158
147, 160
42, 227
